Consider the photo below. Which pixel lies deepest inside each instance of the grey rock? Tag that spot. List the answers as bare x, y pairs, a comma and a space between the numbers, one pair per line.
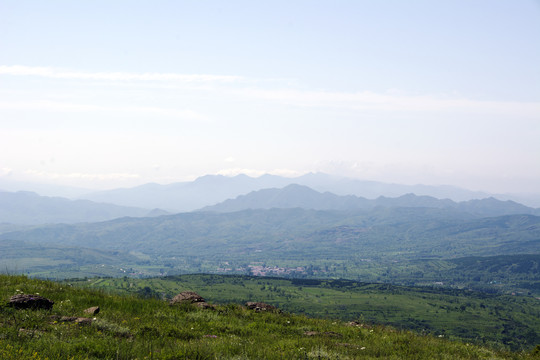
29, 301
188, 297
92, 310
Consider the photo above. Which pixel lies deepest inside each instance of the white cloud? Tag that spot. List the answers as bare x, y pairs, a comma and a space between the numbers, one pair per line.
21, 70
58, 106
391, 101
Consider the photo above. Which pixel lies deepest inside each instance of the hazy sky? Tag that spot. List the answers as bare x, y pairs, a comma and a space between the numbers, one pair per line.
105, 94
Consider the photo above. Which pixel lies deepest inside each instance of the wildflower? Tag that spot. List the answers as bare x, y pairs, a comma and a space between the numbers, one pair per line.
210, 336
363, 348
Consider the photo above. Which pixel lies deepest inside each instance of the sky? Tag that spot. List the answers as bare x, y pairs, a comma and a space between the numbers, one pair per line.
108, 94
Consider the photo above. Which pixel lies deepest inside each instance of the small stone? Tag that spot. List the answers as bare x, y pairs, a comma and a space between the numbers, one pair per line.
83, 321
260, 306
29, 301
94, 310
189, 297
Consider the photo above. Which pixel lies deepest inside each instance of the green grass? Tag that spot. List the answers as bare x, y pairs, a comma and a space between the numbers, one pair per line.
495, 320
129, 327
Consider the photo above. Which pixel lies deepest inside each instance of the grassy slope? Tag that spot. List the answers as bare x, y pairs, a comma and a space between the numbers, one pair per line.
498, 320
133, 328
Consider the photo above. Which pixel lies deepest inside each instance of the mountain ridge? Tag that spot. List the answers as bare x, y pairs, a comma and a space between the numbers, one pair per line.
301, 196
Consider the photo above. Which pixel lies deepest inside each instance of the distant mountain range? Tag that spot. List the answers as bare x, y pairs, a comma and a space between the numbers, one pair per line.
212, 189
299, 196
29, 208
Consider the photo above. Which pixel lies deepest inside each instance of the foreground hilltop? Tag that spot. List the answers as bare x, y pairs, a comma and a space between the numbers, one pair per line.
135, 328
